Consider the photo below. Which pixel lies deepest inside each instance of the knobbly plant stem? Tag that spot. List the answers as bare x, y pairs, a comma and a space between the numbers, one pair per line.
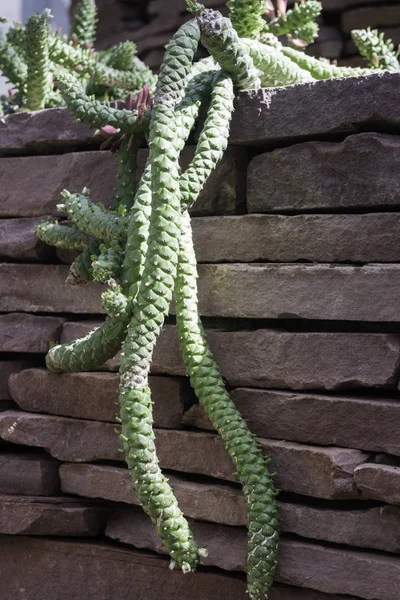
142, 248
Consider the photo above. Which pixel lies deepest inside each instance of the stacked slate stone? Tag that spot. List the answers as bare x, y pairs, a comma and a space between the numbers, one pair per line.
151, 24
298, 238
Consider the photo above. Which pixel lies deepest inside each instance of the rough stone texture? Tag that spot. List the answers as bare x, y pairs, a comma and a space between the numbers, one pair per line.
225, 190
374, 528
53, 516
379, 482
97, 571
328, 292
377, 16
20, 332
7, 367
353, 422
358, 173
278, 359
278, 238
272, 116
202, 501
28, 474
31, 186
339, 571
19, 242
42, 132
367, 293
307, 470
93, 395
42, 288
283, 238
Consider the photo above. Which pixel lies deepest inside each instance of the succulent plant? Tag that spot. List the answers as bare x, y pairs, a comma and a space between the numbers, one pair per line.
142, 248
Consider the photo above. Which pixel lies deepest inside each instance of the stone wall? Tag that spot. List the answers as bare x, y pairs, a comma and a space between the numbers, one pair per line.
152, 23
299, 287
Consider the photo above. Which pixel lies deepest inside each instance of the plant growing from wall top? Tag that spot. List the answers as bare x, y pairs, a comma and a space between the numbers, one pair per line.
142, 248
32, 56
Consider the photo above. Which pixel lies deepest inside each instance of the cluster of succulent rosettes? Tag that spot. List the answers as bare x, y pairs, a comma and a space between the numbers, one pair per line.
32, 56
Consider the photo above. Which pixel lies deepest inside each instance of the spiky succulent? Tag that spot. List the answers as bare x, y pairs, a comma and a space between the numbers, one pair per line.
142, 247
31, 58
378, 51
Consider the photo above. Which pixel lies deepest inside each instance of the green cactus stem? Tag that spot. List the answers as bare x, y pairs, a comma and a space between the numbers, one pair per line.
91, 351
120, 56
70, 56
319, 69
212, 142
152, 303
12, 66
81, 271
61, 236
247, 17
380, 53
221, 40
294, 19
114, 302
132, 80
16, 37
92, 219
85, 22
37, 56
306, 34
95, 114
275, 68
108, 263
262, 514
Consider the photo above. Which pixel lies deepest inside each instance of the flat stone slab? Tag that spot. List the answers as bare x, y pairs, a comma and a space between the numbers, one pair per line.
331, 107
255, 291
18, 241
53, 516
7, 367
373, 528
379, 482
43, 132
20, 332
278, 238
28, 474
42, 288
307, 470
361, 422
93, 395
279, 359
358, 173
31, 186
99, 571
360, 18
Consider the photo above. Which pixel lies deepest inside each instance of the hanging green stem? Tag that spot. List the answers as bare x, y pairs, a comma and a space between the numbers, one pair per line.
262, 515
152, 304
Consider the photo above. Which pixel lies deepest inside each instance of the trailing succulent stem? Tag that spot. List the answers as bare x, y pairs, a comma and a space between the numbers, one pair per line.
252, 470
379, 53
142, 248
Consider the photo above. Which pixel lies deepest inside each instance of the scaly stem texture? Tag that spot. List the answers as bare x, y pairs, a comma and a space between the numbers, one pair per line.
152, 304
37, 43
247, 16
262, 513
